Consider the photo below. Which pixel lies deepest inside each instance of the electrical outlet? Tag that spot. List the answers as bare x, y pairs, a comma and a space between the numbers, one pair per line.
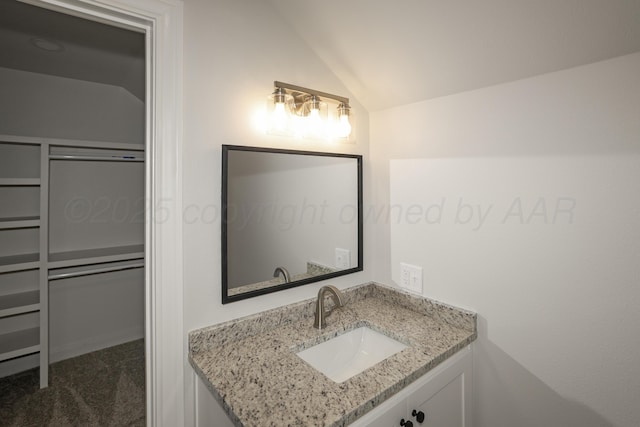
411, 278
405, 276
416, 280
343, 259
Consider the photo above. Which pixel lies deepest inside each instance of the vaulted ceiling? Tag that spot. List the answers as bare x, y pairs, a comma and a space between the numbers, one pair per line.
394, 52
386, 52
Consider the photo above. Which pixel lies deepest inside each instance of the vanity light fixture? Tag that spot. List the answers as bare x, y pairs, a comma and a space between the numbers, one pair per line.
299, 111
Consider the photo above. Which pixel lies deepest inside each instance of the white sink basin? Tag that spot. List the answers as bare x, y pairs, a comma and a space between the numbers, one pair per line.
346, 355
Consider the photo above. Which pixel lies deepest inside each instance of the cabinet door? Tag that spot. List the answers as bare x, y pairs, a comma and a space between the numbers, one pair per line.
443, 409
390, 417
444, 400
443, 395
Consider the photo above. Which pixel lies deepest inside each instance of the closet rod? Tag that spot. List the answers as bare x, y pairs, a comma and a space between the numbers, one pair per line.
94, 271
99, 158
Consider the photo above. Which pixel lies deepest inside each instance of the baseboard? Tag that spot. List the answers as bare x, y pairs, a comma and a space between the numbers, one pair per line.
77, 348
19, 364
69, 350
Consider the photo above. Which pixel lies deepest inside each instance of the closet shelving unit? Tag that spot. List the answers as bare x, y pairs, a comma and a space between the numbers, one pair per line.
29, 262
20, 261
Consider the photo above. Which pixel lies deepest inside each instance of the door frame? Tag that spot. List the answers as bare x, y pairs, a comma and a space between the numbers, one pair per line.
161, 22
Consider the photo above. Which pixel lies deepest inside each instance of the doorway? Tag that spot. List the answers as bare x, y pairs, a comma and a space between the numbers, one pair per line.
73, 284
161, 23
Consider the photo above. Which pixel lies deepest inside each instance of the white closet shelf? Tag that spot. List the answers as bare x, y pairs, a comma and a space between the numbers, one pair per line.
19, 262
24, 302
19, 343
96, 158
71, 142
19, 222
19, 182
86, 270
95, 256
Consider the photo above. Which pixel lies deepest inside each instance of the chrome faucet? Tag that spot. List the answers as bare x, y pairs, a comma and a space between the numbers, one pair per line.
284, 272
321, 317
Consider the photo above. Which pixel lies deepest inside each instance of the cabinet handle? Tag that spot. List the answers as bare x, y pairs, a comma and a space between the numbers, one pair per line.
404, 423
419, 416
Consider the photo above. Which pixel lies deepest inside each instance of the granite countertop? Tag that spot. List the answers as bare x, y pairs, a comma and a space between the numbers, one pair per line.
250, 365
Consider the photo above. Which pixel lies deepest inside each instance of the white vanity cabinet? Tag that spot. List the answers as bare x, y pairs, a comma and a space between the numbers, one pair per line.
443, 395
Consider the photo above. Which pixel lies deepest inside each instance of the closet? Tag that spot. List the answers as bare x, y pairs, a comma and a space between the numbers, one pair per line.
72, 195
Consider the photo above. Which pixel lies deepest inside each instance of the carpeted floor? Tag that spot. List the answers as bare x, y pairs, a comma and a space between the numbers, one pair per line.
103, 388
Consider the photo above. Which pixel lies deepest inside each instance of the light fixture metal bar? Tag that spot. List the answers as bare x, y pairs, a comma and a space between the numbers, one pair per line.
295, 88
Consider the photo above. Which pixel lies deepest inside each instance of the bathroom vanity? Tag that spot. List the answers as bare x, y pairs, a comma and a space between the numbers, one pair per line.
249, 372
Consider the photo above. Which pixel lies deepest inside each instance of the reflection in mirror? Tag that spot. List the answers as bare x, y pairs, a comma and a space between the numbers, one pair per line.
289, 218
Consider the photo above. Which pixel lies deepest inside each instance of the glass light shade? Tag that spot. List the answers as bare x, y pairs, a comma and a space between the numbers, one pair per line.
279, 111
316, 118
343, 126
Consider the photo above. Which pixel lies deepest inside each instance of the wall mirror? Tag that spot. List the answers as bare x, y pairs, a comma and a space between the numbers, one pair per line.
289, 218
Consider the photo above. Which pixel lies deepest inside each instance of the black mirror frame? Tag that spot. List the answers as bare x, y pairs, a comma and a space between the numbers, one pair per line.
225, 160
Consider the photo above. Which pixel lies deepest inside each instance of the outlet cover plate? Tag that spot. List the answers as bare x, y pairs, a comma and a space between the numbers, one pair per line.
411, 277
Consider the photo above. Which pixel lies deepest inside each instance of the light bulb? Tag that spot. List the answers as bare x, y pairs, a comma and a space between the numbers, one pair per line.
279, 111
344, 127
279, 116
314, 121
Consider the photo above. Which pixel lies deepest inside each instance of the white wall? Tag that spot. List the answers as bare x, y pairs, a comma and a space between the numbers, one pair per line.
34, 104
233, 51
522, 202
95, 205
90, 313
